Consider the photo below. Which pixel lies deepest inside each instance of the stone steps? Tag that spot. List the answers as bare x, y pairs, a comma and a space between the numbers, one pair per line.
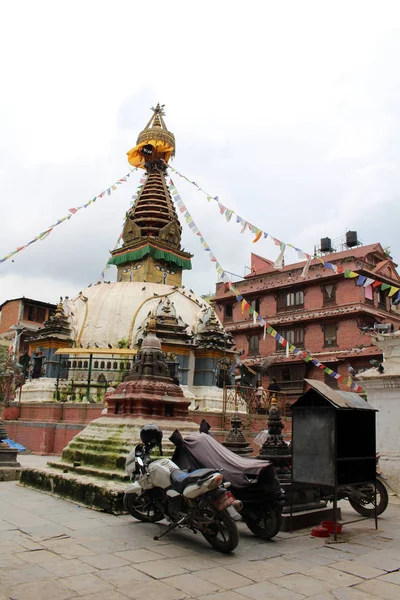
92, 491
91, 471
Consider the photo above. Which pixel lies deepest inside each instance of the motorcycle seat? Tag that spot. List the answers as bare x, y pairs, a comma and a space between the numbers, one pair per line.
180, 479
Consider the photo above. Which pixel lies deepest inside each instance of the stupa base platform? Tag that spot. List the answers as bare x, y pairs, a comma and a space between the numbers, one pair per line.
106, 442
94, 490
91, 471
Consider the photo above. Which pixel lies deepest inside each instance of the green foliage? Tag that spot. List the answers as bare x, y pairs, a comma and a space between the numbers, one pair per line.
123, 343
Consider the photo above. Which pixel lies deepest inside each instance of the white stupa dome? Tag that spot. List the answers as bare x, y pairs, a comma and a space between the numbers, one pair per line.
104, 314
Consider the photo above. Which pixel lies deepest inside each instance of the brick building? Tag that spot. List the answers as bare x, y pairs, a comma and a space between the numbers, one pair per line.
322, 312
20, 317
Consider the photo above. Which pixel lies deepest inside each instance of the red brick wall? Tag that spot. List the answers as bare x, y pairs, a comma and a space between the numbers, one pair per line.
47, 428
9, 315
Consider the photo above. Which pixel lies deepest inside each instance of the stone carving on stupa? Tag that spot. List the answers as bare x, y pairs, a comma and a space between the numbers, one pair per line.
211, 334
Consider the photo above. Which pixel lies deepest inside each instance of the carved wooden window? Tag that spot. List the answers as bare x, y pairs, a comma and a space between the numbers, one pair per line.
287, 301
330, 335
329, 294
254, 345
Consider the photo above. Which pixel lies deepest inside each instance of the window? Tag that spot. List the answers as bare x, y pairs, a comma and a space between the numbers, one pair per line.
330, 335
254, 343
228, 311
294, 336
381, 299
255, 305
102, 364
34, 313
290, 300
329, 294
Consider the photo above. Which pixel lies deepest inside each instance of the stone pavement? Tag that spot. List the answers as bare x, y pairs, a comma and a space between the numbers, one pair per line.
53, 549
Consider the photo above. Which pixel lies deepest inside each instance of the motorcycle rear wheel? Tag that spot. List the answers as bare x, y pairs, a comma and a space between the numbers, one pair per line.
367, 509
222, 532
267, 525
142, 508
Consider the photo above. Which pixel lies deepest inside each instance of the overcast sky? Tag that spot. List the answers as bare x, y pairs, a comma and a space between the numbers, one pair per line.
288, 111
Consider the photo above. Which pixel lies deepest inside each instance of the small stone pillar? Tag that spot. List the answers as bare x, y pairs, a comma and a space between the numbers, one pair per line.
10, 469
274, 447
236, 440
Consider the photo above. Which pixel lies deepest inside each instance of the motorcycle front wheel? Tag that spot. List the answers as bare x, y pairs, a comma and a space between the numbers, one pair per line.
221, 532
266, 523
367, 509
142, 508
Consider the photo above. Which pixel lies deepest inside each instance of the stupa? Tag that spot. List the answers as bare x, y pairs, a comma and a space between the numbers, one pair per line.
108, 316
157, 321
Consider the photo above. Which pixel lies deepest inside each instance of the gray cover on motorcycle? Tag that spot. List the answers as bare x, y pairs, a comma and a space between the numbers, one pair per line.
205, 451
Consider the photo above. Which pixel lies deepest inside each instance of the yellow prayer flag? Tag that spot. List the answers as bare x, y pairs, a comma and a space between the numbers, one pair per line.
393, 290
259, 234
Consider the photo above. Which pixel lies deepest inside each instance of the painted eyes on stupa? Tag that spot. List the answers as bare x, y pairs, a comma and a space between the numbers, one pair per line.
164, 270
136, 267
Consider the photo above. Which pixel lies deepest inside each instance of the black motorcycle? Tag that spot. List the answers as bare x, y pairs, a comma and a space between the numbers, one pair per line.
253, 482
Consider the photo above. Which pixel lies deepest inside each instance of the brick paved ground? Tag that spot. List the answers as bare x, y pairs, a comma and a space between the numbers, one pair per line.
52, 549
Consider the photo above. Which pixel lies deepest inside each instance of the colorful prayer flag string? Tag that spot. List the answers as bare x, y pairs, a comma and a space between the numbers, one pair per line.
278, 264
72, 212
133, 200
245, 306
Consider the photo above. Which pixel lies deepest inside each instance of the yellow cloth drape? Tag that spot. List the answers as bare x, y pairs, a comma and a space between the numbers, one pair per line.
136, 159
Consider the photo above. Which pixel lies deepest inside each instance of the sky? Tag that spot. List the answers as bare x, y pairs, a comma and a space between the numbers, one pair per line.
289, 112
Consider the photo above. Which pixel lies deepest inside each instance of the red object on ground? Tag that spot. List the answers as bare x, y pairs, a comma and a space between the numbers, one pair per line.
330, 526
320, 531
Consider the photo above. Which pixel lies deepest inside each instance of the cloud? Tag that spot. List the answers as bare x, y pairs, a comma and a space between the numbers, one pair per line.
288, 112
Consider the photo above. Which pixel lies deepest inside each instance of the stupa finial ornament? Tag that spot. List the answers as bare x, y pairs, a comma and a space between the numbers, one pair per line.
154, 142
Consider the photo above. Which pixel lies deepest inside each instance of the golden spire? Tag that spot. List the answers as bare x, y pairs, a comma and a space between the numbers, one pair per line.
155, 141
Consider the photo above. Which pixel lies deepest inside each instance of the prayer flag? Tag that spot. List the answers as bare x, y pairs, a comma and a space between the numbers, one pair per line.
350, 274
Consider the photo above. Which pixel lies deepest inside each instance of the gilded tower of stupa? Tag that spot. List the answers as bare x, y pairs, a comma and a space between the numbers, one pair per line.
151, 250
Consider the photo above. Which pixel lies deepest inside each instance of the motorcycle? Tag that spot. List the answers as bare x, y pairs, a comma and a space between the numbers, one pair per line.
198, 500
362, 496
253, 482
